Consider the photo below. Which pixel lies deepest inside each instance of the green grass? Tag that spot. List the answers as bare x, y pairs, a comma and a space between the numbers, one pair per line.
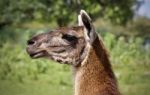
132, 80
21, 75
8, 87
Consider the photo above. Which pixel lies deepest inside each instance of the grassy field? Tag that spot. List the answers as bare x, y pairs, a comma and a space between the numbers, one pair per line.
131, 80
33, 88
21, 75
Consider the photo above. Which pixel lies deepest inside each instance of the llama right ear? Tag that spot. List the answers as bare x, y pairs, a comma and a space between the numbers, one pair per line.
89, 30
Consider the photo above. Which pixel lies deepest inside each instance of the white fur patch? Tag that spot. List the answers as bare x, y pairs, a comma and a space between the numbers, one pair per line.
88, 47
85, 13
80, 23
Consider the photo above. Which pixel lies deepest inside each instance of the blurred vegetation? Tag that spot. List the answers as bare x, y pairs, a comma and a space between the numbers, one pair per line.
138, 27
128, 45
64, 12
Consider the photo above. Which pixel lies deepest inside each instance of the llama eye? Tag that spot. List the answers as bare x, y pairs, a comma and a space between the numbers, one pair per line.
69, 37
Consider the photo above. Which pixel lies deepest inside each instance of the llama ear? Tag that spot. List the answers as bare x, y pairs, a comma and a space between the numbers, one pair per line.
89, 30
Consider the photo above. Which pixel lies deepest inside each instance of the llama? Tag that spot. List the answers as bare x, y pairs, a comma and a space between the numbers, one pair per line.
81, 48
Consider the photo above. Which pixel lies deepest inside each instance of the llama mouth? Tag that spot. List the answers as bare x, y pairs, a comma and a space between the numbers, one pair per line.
37, 54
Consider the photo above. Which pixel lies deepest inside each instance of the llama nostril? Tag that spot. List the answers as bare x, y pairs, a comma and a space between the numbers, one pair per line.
30, 42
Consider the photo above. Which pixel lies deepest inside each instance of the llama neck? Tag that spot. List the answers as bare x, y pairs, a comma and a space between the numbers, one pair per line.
95, 77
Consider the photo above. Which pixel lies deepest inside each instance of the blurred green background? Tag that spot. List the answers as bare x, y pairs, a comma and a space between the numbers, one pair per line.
126, 35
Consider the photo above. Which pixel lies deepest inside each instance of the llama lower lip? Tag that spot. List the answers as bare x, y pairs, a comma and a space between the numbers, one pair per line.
37, 54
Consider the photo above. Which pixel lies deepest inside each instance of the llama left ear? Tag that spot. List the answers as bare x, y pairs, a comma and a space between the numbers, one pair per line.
89, 30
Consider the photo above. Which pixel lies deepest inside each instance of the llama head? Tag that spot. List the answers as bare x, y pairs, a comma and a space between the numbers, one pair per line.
64, 45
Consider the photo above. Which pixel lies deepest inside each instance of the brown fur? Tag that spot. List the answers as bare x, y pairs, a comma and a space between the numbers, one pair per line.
96, 76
